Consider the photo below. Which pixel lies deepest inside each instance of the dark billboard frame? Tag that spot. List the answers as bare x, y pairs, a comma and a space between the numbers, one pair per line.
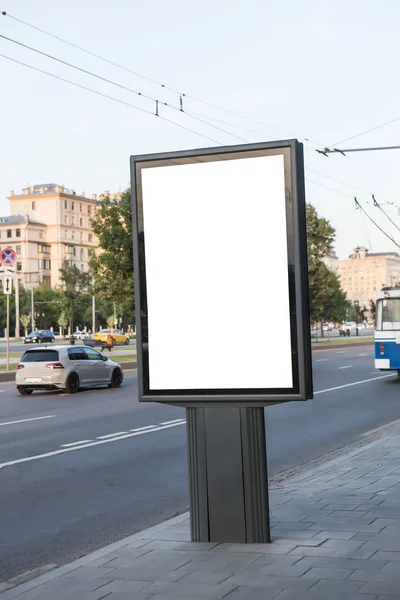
292, 152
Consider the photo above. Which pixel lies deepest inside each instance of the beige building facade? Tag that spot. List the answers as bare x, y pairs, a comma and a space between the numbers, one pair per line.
48, 225
364, 273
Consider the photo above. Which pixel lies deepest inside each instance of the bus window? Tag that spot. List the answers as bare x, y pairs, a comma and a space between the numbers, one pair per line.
388, 314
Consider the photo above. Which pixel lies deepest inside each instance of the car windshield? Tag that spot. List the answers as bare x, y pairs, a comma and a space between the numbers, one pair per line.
40, 356
34, 333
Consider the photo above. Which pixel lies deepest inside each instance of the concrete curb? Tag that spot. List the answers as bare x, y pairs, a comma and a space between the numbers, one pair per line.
10, 375
315, 346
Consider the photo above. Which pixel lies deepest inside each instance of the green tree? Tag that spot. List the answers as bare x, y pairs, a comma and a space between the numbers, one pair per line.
62, 322
113, 266
74, 289
328, 302
25, 320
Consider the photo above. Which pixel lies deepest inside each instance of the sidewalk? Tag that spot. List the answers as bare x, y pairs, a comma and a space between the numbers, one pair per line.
335, 529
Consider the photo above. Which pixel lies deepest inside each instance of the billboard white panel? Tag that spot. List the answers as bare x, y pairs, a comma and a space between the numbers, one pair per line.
216, 268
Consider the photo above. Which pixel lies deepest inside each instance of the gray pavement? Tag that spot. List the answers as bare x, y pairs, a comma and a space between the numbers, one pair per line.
81, 474
335, 531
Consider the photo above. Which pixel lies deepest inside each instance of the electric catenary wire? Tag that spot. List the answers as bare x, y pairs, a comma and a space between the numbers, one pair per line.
124, 87
83, 87
153, 81
381, 209
358, 205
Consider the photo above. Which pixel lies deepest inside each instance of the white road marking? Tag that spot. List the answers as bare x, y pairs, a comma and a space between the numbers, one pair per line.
2, 391
365, 354
381, 428
144, 428
346, 367
339, 387
341, 352
170, 422
84, 446
321, 359
27, 420
111, 435
75, 443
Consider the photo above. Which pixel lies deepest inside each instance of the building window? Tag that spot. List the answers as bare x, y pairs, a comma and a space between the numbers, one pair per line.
66, 234
72, 220
33, 205
44, 264
81, 222
81, 236
44, 248
70, 250
89, 211
9, 233
19, 266
18, 250
65, 220
65, 204
82, 254
80, 208
41, 234
72, 235
72, 206
90, 237
18, 232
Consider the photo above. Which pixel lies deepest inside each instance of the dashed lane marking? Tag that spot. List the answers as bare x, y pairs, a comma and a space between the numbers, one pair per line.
27, 420
346, 367
75, 448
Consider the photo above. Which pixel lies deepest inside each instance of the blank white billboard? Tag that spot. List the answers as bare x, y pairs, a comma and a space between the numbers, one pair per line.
217, 275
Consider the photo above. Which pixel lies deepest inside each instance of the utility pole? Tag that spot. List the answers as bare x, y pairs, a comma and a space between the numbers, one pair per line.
32, 310
17, 331
8, 334
93, 310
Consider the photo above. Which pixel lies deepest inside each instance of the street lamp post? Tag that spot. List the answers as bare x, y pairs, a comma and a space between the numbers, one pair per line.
356, 307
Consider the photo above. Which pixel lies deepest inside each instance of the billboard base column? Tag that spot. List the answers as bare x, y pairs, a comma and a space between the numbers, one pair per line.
228, 478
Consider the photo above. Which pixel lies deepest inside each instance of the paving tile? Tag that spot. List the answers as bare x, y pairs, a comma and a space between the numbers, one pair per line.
327, 573
338, 588
268, 581
323, 595
351, 564
382, 588
375, 576
386, 556
123, 586
189, 589
335, 535
127, 596
242, 593
205, 577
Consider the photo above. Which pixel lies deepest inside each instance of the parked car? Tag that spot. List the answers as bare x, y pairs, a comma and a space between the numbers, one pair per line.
65, 367
116, 334
81, 335
40, 336
327, 326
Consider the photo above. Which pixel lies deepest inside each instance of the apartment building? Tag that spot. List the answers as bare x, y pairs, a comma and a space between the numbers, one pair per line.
48, 225
364, 273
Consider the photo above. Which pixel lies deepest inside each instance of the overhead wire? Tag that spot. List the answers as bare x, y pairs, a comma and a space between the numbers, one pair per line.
78, 85
153, 81
193, 115
116, 84
376, 224
353, 137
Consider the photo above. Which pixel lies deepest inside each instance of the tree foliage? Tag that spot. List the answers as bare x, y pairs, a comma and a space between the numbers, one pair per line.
328, 302
112, 267
74, 289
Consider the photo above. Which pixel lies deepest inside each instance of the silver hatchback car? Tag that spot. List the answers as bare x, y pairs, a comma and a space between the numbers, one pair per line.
65, 367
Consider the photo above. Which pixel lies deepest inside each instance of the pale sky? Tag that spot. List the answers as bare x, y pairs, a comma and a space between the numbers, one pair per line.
318, 69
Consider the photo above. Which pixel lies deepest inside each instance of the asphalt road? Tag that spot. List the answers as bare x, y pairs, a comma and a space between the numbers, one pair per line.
78, 472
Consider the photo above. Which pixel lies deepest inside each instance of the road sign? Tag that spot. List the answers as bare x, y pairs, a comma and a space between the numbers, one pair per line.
7, 284
8, 257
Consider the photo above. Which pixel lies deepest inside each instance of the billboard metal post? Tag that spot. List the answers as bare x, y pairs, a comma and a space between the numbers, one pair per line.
219, 232
8, 334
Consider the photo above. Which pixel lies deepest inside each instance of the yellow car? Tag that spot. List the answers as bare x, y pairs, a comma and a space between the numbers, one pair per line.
116, 334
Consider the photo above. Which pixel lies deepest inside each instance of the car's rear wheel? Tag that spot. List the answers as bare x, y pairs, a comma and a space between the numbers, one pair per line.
72, 385
116, 379
23, 390
127, 342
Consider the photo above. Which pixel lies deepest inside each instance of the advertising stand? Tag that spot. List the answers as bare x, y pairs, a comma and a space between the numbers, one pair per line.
223, 328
